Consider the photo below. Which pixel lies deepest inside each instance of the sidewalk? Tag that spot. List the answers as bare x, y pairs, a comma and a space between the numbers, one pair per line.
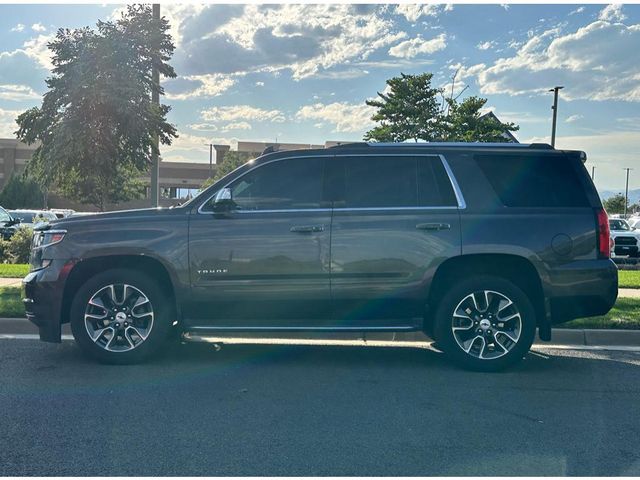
10, 282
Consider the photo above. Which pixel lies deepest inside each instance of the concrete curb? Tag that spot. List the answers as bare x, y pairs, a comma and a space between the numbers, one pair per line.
560, 337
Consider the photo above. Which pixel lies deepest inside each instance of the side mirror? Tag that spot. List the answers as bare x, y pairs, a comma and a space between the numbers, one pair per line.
13, 221
223, 201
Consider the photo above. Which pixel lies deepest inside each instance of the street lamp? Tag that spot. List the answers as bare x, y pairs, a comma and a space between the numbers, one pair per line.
555, 91
626, 192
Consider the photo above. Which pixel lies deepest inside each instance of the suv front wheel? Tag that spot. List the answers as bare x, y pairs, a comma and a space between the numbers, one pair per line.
120, 316
485, 323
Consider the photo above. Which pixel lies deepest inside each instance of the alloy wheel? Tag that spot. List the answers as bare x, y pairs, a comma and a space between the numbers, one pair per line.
486, 324
119, 317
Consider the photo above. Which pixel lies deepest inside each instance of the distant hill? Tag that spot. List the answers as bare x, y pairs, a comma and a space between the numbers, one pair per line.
634, 195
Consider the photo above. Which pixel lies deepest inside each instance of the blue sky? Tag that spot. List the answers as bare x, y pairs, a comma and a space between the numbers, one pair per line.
301, 73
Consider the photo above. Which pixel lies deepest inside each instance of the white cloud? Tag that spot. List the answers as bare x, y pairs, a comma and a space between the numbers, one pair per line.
414, 12
417, 46
17, 93
237, 126
202, 127
612, 13
194, 86
576, 11
305, 39
37, 49
486, 45
259, 84
573, 118
237, 113
345, 117
506, 6
38, 27
7, 122
18, 28
607, 72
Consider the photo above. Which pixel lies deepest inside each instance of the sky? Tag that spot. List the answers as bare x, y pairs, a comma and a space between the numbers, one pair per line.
302, 73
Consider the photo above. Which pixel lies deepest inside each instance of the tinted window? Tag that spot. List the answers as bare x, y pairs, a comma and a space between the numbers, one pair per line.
372, 182
533, 181
281, 185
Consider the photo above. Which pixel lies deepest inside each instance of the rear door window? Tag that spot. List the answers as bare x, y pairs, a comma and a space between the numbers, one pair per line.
394, 182
533, 180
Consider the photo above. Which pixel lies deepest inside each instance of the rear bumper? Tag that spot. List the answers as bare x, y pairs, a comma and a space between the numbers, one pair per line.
582, 289
43, 299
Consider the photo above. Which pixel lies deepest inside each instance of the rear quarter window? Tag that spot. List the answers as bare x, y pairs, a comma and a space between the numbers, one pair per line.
533, 180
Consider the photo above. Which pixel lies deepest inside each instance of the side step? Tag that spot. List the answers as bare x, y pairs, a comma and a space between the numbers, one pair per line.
413, 339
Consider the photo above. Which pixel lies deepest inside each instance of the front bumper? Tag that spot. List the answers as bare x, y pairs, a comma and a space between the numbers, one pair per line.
582, 289
44, 291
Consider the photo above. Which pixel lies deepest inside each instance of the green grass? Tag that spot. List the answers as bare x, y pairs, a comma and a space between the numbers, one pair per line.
11, 270
629, 278
11, 302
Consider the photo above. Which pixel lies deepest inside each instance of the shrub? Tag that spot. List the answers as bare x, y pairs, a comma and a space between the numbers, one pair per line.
19, 245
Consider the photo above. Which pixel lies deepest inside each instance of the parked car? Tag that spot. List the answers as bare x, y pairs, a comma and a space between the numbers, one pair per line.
475, 244
62, 212
626, 238
8, 224
29, 218
634, 222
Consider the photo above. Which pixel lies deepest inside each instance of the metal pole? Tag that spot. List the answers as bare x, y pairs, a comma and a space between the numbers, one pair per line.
155, 98
210, 160
626, 193
555, 114
593, 172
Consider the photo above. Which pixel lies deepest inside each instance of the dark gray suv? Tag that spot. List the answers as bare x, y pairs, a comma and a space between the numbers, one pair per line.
478, 245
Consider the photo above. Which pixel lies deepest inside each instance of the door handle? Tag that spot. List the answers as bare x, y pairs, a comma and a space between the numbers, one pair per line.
307, 228
433, 226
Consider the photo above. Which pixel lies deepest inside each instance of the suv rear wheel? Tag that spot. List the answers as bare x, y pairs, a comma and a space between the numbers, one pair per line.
120, 316
485, 323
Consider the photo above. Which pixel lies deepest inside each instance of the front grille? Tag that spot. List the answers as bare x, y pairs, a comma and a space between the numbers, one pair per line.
626, 241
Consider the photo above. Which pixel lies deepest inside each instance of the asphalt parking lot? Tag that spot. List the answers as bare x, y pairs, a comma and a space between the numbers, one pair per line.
300, 410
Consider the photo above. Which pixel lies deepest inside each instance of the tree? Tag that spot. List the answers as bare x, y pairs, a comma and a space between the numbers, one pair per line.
97, 121
409, 110
21, 191
412, 109
466, 123
229, 163
614, 204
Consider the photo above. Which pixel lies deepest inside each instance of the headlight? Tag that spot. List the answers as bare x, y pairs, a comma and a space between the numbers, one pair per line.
47, 237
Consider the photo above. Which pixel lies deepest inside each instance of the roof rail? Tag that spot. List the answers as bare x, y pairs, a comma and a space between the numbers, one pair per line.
349, 145
544, 146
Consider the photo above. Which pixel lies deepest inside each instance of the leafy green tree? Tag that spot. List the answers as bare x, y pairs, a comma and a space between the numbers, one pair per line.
21, 191
465, 123
97, 122
230, 162
614, 204
409, 110
412, 109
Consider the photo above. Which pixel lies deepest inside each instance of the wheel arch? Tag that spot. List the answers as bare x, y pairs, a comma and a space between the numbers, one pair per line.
86, 268
514, 268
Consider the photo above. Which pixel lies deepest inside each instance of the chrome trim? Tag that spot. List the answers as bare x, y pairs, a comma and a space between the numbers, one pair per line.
196, 330
454, 184
45, 232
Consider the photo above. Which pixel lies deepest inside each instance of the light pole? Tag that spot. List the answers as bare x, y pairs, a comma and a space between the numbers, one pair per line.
593, 172
555, 91
155, 98
626, 193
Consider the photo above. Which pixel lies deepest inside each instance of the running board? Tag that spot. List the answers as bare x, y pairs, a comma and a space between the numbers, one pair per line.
399, 339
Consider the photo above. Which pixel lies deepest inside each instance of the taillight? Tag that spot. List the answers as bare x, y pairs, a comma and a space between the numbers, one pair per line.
604, 236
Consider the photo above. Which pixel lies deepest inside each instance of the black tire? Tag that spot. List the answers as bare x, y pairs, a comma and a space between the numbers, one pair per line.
498, 289
157, 333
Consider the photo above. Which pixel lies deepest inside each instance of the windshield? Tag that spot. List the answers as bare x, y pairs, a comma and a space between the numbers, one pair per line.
619, 225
